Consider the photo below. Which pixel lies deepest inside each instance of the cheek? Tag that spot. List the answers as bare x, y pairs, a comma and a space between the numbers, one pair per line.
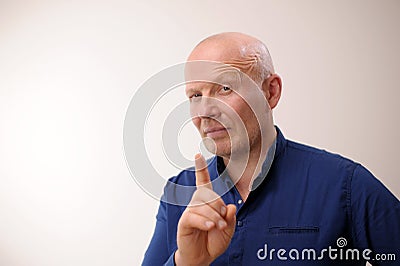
243, 112
248, 120
196, 121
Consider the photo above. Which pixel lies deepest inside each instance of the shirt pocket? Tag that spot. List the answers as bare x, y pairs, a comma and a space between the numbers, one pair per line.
293, 236
293, 230
263, 243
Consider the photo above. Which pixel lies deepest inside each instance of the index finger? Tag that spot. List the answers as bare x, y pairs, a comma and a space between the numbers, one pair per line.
202, 175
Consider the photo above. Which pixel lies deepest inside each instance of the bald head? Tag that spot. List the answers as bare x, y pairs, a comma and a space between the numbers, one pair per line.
237, 49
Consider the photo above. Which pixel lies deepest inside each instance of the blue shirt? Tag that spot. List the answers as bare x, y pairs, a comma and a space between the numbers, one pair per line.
312, 208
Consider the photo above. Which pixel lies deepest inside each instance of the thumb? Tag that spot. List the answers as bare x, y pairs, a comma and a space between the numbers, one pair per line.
230, 218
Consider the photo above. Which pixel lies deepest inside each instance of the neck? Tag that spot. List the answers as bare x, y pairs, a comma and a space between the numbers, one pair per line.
244, 168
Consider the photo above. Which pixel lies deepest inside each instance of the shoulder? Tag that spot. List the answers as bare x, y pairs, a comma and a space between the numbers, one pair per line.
367, 189
318, 159
357, 179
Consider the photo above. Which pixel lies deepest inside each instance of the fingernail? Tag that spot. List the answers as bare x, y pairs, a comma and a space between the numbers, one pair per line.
222, 224
223, 210
209, 224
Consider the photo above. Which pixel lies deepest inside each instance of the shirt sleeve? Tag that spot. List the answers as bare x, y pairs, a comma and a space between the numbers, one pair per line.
157, 252
375, 216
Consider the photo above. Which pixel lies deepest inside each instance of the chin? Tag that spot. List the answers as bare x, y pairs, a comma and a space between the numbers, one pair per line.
223, 150
219, 148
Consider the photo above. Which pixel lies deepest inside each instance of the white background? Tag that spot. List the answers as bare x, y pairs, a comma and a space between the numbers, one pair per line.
68, 70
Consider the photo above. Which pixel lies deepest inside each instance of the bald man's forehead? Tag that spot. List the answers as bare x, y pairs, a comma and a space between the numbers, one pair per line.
211, 71
235, 38
240, 55
215, 51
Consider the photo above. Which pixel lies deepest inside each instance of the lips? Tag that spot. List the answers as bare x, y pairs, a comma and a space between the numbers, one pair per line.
216, 131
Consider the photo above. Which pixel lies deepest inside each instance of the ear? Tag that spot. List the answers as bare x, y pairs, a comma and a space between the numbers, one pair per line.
272, 88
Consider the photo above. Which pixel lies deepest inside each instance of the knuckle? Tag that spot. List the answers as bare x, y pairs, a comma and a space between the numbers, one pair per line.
202, 189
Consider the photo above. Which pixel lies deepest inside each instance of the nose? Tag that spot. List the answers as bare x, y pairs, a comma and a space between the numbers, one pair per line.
206, 107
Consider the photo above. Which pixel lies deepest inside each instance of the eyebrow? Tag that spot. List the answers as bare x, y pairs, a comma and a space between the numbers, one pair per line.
192, 89
226, 76
189, 90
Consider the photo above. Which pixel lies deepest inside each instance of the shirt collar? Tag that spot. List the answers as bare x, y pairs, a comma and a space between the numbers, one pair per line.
273, 152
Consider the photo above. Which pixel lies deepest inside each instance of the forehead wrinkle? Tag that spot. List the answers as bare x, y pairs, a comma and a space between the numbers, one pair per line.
207, 69
247, 64
248, 57
227, 70
237, 49
199, 85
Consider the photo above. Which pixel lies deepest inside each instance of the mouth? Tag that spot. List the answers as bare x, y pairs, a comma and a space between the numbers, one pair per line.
214, 132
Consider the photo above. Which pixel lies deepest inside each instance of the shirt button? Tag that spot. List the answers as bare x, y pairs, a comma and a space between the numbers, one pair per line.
240, 201
236, 255
239, 223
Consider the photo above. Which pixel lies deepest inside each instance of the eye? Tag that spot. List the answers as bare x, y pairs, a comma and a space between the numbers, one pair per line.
195, 97
225, 89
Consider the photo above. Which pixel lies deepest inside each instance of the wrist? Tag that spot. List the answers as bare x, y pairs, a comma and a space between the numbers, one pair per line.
181, 261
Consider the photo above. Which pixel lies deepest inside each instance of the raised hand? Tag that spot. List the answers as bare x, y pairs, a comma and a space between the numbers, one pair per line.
206, 227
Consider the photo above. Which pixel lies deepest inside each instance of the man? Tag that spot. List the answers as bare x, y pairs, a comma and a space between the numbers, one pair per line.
264, 199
